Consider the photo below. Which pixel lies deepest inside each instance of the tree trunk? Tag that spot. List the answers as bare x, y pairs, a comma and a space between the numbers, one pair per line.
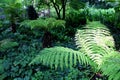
63, 12
63, 7
97, 76
31, 12
47, 39
13, 26
57, 10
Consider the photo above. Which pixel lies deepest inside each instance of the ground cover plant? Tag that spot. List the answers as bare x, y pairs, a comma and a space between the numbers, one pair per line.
59, 40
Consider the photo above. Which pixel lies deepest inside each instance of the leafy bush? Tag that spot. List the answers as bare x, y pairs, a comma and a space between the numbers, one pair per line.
16, 62
104, 15
73, 74
75, 18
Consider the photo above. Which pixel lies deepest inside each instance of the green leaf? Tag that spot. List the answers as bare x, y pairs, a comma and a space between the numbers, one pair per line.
7, 44
60, 57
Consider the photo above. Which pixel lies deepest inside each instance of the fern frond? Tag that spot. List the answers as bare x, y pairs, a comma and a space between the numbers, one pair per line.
98, 44
95, 25
111, 65
1, 66
93, 41
47, 24
34, 24
60, 57
7, 44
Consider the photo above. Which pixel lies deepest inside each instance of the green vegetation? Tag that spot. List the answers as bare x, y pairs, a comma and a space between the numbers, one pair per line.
7, 44
59, 40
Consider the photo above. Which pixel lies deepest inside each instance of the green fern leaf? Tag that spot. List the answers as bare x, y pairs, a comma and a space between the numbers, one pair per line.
7, 44
45, 24
93, 41
60, 57
57, 61
110, 65
71, 60
67, 60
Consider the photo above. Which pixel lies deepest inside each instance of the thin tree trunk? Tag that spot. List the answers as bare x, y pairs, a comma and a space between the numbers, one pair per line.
47, 39
13, 26
63, 12
57, 11
64, 8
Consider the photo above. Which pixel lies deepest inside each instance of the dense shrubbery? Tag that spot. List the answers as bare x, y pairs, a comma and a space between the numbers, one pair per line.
94, 56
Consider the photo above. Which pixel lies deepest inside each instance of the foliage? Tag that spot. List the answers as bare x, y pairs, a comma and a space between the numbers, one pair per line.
46, 24
0, 23
117, 13
105, 15
60, 57
76, 4
10, 1
7, 44
12, 7
93, 41
92, 47
16, 62
58, 5
110, 65
75, 18
95, 45
97, 42
73, 74
2, 75
13, 12
42, 76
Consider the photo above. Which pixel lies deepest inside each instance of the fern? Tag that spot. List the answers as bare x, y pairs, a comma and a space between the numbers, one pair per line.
89, 41
96, 48
7, 44
93, 41
60, 57
2, 71
1, 66
98, 44
111, 66
47, 24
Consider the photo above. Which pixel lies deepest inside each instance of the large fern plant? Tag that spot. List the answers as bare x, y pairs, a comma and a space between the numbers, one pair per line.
46, 25
96, 48
95, 41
